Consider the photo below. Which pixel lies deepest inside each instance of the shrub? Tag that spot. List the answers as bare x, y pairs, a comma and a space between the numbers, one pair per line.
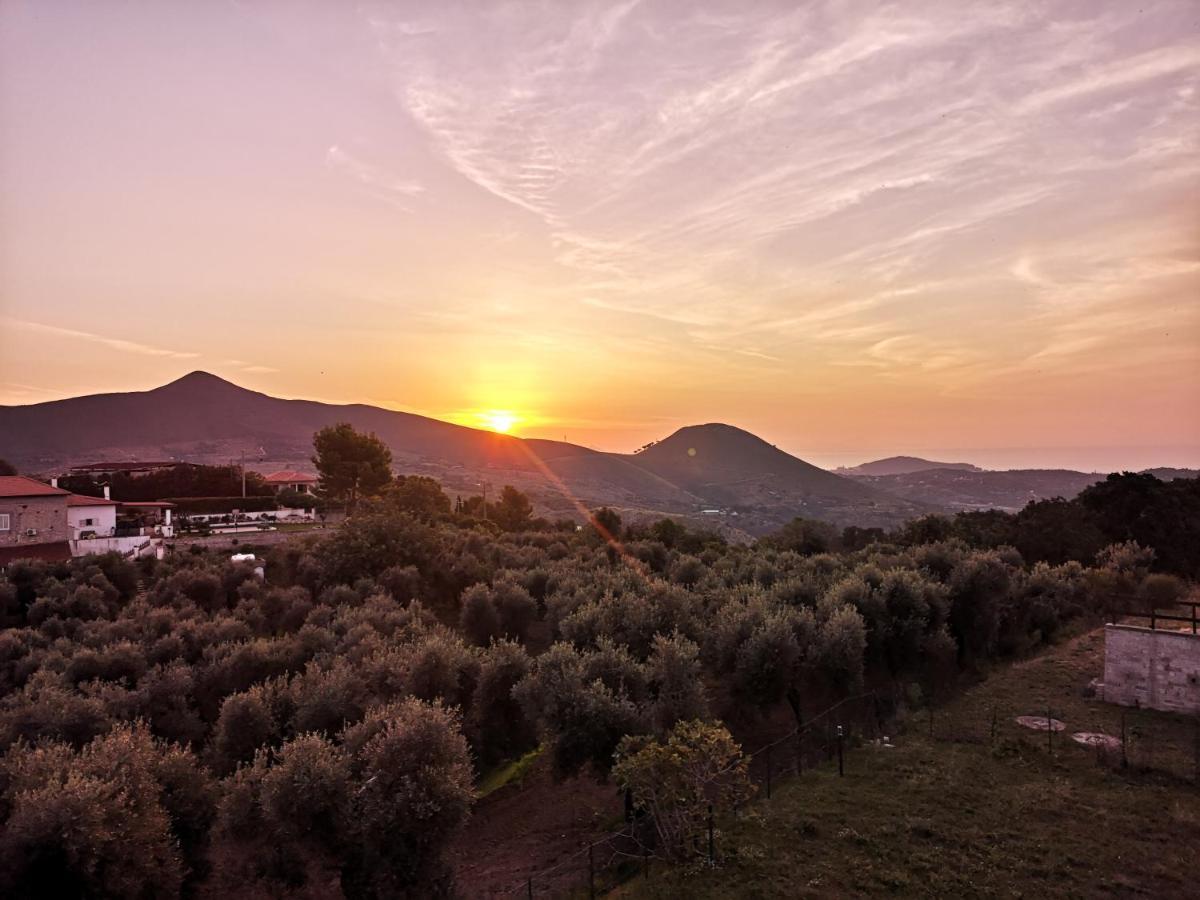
244, 725
515, 607
581, 720
479, 620
676, 679
676, 778
414, 778
89, 823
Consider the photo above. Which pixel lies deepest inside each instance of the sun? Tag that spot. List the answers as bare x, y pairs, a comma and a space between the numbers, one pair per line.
498, 420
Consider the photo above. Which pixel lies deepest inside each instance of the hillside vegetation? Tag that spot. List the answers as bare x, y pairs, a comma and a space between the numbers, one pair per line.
971, 812
186, 728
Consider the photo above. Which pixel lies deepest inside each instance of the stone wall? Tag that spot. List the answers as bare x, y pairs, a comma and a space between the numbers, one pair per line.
1153, 669
47, 516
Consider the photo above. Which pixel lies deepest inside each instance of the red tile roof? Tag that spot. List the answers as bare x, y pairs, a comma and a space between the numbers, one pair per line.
54, 552
20, 486
147, 504
81, 500
290, 477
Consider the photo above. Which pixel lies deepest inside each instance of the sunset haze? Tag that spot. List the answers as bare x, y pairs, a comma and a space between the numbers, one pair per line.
856, 230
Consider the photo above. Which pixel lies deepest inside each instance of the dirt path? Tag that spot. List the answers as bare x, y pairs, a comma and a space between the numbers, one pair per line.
519, 831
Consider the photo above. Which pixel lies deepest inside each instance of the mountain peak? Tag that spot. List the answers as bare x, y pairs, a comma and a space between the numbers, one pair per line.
199, 382
715, 443
199, 376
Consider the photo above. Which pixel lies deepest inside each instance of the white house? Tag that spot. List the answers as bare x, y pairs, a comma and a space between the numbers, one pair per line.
90, 517
300, 482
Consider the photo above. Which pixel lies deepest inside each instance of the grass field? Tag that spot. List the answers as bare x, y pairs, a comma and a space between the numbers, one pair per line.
960, 814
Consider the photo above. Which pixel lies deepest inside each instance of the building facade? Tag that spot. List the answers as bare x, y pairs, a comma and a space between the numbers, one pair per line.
90, 517
33, 520
300, 482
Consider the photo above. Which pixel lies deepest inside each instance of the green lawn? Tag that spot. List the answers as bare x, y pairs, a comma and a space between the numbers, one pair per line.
961, 816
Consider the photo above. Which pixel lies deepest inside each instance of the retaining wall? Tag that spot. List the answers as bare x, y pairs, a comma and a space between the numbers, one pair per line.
1154, 669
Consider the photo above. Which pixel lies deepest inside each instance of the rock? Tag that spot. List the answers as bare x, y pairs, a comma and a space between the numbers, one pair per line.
1041, 723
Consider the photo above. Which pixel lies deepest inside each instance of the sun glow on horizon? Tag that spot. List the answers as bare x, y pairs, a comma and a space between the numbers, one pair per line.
499, 420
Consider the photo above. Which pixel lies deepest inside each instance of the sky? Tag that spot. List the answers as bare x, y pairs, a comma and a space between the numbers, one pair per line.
855, 229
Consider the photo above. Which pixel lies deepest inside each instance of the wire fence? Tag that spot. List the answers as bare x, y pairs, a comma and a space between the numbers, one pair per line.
1117, 738
633, 852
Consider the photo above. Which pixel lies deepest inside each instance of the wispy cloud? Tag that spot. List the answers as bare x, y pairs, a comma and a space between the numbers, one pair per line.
252, 368
118, 344
798, 169
381, 183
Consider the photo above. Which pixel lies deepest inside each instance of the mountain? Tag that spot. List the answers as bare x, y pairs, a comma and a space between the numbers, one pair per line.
1170, 474
741, 473
903, 465
954, 490
203, 418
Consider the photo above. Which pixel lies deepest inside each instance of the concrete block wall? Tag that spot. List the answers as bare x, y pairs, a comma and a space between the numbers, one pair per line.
45, 515
1152, 669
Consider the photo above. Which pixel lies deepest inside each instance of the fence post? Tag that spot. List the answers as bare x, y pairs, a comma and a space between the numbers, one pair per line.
1124, 743
1193, 618
840, 744
1196, 748
711, 856
1049, 733
591, 871
529, 886
768, 771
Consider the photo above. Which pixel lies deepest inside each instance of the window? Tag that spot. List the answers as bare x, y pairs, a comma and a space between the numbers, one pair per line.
5, 521
87, 522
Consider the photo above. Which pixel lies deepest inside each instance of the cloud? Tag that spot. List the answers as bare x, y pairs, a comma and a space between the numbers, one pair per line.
817, 175
250, 367
119, 344
377, 181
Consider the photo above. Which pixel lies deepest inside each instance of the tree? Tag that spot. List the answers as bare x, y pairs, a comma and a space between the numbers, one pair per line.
978, 585
607, 523
414, 771
513, 511
581, 719
351, 464
677, 778
88, 824
1158, 514
418, 495
479, 620
1056, 531
804, 536
677, 680
496, 724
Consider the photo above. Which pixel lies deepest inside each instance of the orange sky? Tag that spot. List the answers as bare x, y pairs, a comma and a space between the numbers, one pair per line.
853, 229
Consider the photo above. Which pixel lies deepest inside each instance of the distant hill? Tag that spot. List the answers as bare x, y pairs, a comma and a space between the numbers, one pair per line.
203, 418
716, 474
1170, 474
957, 489
903, 465
734, 468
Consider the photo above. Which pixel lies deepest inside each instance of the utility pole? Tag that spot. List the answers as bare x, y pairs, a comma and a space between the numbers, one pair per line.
243, 474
